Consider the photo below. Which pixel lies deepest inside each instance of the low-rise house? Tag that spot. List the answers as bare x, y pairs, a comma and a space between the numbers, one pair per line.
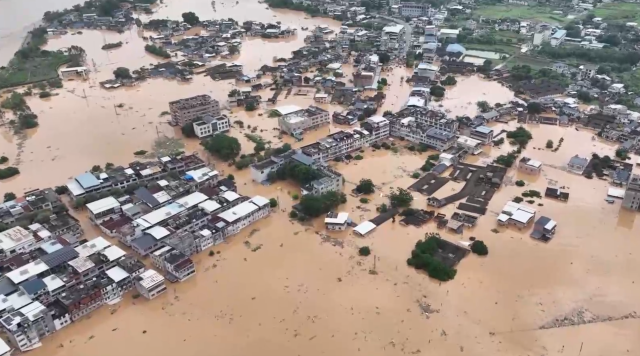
577, 164
544, 229
336, 221
516, 214
16, 240
529, 166
556, 193
295, 121
150, 284
471, 145
322, 98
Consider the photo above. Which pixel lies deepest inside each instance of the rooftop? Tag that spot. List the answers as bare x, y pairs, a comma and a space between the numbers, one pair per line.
102, 205
149, 278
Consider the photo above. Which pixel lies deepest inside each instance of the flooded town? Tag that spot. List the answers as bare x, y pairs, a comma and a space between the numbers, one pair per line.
319, 177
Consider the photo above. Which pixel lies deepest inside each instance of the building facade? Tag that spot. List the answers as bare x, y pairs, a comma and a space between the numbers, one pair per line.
187, 110
631, 198
210, 125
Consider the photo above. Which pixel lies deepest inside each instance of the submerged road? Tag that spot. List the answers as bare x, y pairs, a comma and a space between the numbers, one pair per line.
407, 30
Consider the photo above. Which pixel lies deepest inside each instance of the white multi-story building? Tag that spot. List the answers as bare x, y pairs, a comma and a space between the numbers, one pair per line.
427, 70
150, 284
210, 125
412, 9
27, 326
103, 209
472, 146
558, 37
242, 215
179, 266
482, 133
340, 143
295, 123
16, 241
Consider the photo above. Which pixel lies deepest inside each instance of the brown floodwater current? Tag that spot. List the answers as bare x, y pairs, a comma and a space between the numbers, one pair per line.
300, 295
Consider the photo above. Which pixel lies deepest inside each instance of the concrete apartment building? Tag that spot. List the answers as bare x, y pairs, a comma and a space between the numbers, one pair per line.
340, 143
631, 198
557, 38
295, 121
210, 125
331, 182
187, 110
412, 9
16, 241
242, 215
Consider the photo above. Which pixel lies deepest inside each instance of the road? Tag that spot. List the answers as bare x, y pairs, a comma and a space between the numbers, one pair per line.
407, 30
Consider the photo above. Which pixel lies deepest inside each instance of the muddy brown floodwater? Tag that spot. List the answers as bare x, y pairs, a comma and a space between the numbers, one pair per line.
300, 294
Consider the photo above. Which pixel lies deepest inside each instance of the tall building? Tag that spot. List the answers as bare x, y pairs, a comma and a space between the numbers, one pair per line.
187, 110
632, 194
296, 121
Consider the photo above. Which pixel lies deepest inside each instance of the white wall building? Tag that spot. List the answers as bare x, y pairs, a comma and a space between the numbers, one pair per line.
243, 215
103, 209
150, 284
210, 125
16, 241
335, 221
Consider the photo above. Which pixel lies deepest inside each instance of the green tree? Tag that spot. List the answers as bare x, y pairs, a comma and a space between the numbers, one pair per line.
384, 57
233, 50
365, 186
8, 172
483, 106
415, 175
191, 18
122, 73
9, 196
273, 202
251, 106
520, 183
293, 214
479, 248
316, 205
449, 80
96, 168
243, 163
383, 81
231, 177
61, 189
549, 144
584, 96
188, 130
223, 146
534, 107
437, 91
364, 251
400, 198
422, 257
44, 94
4, 159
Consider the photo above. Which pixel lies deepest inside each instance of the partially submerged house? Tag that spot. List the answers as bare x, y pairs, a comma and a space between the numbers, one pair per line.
544, 229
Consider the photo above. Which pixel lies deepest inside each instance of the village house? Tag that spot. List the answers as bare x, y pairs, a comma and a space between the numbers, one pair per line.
483, 134
529, 166
556, 193
577, 164
336, 221
242, 215
631, 198
516, 214
544, 229
150, 284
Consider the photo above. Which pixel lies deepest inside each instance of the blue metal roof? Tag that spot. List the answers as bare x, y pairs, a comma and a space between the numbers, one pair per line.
33, 286
87, 180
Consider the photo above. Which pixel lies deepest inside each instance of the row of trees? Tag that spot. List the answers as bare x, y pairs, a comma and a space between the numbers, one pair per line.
422, 257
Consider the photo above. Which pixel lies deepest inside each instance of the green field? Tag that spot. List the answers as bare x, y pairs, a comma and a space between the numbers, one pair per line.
492, 48
539, 13
32, 70
535, 63
624, 12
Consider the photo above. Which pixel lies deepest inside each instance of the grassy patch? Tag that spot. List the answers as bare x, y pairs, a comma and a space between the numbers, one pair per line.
506, 49
23, 71
539, 13
535, 63
624, 12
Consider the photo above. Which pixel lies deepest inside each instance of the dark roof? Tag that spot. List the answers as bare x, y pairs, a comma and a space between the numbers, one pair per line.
7, 287
33, 286
145, 195
60, 256
543, 221
144, 242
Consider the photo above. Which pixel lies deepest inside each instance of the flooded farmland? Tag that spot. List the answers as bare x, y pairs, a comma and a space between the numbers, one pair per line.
303, 293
